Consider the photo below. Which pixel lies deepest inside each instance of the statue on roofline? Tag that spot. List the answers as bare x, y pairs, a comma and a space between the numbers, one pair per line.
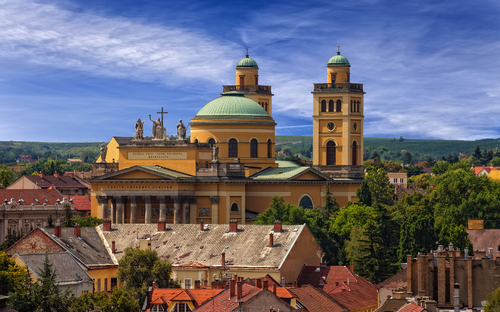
215, 153
158, 129
104, 151
139, 130
181, 130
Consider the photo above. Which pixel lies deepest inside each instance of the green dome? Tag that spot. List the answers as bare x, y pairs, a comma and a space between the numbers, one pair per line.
247, 62
232, 103
338, 60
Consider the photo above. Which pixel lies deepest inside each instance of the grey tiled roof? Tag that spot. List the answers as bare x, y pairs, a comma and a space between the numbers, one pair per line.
183, 244
67, 268
90, 249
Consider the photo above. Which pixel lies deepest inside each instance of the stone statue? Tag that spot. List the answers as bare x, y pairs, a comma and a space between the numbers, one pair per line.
139, 130
216, 154
181, 130
158, 129
104, 151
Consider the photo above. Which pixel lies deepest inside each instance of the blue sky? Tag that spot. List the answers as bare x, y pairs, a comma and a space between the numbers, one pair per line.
79, 71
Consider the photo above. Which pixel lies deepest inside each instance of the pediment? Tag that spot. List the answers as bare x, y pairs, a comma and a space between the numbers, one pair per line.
143, 173
310, 175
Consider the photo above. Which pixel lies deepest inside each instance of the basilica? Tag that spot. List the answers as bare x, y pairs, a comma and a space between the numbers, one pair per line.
226, 170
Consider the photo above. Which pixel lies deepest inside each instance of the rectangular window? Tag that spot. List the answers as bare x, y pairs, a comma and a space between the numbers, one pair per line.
113, 282
187, 283
395, 180
402, 180
99, 285
106, 284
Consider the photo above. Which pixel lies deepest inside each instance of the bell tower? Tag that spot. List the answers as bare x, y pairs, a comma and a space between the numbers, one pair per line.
247, 81
338, 107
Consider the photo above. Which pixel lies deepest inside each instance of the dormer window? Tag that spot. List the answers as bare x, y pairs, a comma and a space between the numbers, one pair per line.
157, 308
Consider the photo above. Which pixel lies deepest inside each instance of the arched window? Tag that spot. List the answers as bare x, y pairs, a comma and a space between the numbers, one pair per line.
354, 153
323, 106
357, 107
339, 106
195, 140
330, 106
211, 141
269, 149
234, 207
330, 153
253, 148
352, 105
306, 202
233, 148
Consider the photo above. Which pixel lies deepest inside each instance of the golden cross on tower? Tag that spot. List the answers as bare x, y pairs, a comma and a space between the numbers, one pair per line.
338, 49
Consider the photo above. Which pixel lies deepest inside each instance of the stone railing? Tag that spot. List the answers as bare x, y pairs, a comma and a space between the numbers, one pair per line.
99, 169
248, 88
220, 170
328, 87
352, 172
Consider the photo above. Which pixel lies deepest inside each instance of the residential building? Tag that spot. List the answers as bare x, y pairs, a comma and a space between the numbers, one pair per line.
66, 185
485, 241
408, 190
484, 170
24, 210
343, 285
69, 273
398, 179
314, 300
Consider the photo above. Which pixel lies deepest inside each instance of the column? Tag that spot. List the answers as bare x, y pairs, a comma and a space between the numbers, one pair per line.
185, 209
177, 209
163, 207
243, 198
192, 209
120, 200
441, 279
470, 297
103, 202
215, 209
113, 209
147, 201
133, 209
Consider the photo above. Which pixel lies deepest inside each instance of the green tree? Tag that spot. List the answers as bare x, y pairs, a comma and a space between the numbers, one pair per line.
354, 246
287, 213
407, 158
120, 300
440, 167
477, 153
6, 177
24, 297
363, 194
67, 216
420, 181
10, 273
138, 269
50, 222
495, 161
11, 238
382, 191
88, 221
493, 301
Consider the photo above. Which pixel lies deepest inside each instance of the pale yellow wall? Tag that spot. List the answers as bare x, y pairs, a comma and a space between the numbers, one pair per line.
23, 183
112, 152
249, 74
102, 274
341, 71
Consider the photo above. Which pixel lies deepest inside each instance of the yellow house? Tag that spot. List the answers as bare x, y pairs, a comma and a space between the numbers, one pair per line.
227, 169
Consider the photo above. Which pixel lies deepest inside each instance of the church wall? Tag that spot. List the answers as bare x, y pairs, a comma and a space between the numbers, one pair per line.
249, 74
341, 72
112, 152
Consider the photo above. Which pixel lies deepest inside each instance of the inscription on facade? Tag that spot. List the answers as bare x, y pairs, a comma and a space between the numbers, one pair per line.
157, 155
138, 187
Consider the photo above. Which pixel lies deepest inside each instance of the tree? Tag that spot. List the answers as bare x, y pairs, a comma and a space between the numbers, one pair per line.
477, 153
120, 300
407, 158
420, 181
440, 167
493, 301
354, 246
495, 161
67, 216
138, 269
330, 207
24, 297
88, 221
287, 213
363, 194
50, 222
10, 273
5, 178
11, 238
382, 191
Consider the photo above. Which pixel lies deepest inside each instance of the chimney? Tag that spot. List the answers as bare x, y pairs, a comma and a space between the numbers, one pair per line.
223, 259
271, 240
409, 274
239, 290
274, 289
321, 281
490, 253
202, 225
283, 281
466, 253
258, 282
154, 283
277, 226
322, 265
71, 175
265, 284
106, 225
197, 284
77, 230
233, 226
351, 267
231, 288
235, 277
456, 297
56, 175
41, 175
57, 231
161, 226
113, 248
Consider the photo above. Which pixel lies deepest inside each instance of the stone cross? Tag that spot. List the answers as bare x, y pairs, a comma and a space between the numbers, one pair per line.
162, 112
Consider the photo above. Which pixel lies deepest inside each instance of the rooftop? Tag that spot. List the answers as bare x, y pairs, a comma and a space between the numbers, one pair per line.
315, 300
32, 196
233, 103
58, 181
247, 62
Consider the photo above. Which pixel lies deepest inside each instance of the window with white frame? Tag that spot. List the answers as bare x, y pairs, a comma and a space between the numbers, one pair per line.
157, 308
187, 283
181, 307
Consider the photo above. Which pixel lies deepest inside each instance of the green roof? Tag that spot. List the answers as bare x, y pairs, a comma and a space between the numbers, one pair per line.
162, 170
338, 60
281, 173
286, 164
232, 103
247, 62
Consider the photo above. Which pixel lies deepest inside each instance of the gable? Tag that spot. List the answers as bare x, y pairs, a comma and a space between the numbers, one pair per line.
34, 243
135, 175
308, 176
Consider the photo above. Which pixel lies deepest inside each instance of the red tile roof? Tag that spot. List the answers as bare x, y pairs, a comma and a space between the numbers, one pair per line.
411, 307
197, 296
408, 190
315, 300
344, 286
81, 202
222, 302
60, 182
30, 196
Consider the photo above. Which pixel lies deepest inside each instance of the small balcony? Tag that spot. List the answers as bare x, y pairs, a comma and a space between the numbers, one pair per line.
338, 87
248, 89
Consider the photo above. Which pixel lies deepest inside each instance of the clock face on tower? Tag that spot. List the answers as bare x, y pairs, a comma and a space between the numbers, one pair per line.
330, 126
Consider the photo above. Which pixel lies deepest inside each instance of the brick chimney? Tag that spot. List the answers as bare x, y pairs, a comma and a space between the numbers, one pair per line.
71, 175
106, 225
223, 258
113, 247
58, 231
351, 267
197, 285
321, 281
202, 226
161, 226
274, 289
239, 290
41, 175
233, 226
271, 240
265, 283
77, 230
258, 282
231, 288
277, 226
56, 175
409, 273
154, 284
235, 277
